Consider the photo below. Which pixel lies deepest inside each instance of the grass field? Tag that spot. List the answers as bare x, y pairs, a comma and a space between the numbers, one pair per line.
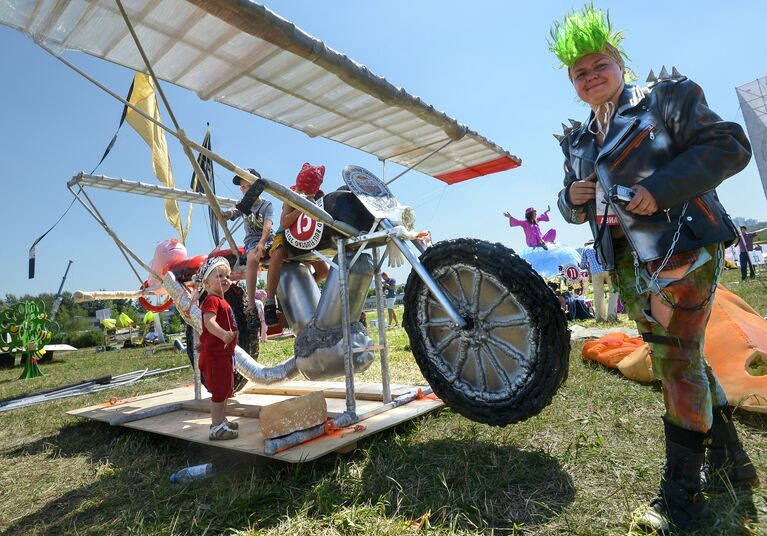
580, 467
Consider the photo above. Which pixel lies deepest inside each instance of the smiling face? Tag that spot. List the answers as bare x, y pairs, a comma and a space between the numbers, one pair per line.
597, 79
218, 281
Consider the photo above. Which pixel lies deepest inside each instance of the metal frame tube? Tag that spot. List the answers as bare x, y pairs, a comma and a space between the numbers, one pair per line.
187, 149
351, 403
120, 244
384, 351
286, 195
425, 277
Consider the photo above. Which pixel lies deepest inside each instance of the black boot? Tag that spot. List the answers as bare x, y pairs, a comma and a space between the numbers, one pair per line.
680, 500
270, 314
726, 461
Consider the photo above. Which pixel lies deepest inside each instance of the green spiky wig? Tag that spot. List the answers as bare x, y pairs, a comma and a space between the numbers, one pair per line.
586, 32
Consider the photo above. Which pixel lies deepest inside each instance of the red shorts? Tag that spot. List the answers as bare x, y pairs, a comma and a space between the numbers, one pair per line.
218, 372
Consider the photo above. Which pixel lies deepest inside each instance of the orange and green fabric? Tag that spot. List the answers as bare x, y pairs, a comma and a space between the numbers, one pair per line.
690, 387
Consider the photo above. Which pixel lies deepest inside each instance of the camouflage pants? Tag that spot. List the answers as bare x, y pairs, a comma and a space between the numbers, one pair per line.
690, 388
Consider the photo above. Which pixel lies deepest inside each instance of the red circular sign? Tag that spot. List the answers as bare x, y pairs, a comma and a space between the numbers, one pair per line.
303, 227
305, 233
572, 273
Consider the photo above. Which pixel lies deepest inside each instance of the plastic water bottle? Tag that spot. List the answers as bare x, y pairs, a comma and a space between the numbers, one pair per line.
190, 474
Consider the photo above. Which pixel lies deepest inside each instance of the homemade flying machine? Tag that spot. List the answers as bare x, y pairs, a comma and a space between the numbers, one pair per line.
485, 330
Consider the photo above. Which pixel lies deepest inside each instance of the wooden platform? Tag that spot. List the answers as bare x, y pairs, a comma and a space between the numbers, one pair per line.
189, 419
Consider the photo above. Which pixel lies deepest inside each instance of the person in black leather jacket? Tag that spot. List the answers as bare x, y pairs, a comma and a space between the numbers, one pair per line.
642, 170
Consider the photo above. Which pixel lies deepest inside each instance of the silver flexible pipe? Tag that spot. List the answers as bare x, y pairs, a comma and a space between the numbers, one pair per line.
246, 365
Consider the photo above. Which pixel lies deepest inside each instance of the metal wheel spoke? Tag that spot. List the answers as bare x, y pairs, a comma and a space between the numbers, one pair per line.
463, 356
498, 301
507, 348
497, 366
444, 343
475, 291
481, 372
508, 322
457, 277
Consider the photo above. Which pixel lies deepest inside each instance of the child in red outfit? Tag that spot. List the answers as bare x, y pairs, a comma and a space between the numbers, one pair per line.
217, 342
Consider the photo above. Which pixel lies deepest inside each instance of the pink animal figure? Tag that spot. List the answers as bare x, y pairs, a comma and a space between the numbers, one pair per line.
533, 236
166, 253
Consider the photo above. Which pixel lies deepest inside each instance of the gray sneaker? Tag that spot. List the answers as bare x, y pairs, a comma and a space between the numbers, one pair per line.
222, 432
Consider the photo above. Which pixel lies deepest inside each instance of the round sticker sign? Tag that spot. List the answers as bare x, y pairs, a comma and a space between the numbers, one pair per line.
306, 232
571, 273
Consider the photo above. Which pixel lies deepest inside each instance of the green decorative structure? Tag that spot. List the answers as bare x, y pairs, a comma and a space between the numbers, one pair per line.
26, 329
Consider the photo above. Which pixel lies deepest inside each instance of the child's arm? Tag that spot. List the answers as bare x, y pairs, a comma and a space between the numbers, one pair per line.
289, 216
231, 214
265, 234
209, 319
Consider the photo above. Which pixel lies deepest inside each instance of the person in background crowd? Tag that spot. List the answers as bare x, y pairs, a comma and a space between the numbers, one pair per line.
746, 245
390, 294
604, 310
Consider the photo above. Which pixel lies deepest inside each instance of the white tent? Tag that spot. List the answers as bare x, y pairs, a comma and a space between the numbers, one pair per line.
753, 104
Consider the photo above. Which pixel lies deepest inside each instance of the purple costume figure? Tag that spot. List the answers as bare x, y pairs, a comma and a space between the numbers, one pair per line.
533, 236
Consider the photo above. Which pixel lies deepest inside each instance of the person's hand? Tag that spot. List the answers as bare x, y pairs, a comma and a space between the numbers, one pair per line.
227, 214
643, 202
228, 338
260, 250
507, 214
583, 191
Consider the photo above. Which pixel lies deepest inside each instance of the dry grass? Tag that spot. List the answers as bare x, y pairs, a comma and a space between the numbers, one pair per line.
581, 467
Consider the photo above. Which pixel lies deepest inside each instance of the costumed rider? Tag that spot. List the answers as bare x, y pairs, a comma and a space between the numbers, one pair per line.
544, 255
654, 156
259, 235
533, 236
308, 183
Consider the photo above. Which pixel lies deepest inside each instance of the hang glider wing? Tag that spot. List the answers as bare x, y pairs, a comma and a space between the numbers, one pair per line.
239, 53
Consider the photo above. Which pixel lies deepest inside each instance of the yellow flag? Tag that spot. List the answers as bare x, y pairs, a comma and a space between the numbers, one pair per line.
143, 97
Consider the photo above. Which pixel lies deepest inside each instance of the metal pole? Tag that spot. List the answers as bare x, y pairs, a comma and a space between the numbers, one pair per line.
195, 165
425, 277
286, 195
125, 250
384, 351
448, 142
59, 298
351, 403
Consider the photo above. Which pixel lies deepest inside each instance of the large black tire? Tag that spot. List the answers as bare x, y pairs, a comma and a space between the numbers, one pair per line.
506, 365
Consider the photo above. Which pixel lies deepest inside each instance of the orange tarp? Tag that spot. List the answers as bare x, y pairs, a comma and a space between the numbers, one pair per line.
610, 349
736, 336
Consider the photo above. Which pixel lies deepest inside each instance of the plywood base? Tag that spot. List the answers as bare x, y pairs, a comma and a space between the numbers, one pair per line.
191, 422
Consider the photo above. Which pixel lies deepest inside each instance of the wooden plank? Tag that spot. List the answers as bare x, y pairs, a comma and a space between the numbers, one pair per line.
346, 436
194, 426
122, 418
298, 413
233, 408
364, 391
346, 449
236, 408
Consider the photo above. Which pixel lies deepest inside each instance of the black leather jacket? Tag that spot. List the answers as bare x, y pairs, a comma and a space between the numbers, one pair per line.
667, 138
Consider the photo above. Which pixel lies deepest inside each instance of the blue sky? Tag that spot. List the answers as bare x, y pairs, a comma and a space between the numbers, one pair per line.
484, 63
